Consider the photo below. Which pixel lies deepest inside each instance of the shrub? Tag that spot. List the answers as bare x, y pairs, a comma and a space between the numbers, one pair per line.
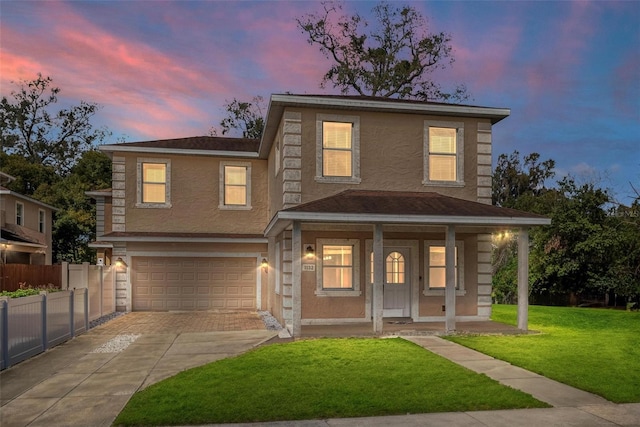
28, 290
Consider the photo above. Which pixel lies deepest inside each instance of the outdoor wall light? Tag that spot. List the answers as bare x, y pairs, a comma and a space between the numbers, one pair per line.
264, 263
310, 251
120, 262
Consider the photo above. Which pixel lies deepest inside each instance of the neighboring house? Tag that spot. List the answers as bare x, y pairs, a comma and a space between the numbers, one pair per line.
349, 209
26, 226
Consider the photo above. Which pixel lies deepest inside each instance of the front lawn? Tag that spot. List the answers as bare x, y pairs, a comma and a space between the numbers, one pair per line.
319, 379
596, 350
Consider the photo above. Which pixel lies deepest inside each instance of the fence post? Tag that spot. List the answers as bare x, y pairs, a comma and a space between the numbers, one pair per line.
85, 274
4, 331
101, 291
64, 272
86, 310
72, 311
71, 325
44, 320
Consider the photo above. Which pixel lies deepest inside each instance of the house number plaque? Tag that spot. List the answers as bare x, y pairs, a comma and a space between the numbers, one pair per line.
308, 267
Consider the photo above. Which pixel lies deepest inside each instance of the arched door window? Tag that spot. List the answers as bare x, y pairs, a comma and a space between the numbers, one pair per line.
395, 268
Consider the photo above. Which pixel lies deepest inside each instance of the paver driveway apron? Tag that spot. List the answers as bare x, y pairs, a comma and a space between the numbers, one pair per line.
87, 381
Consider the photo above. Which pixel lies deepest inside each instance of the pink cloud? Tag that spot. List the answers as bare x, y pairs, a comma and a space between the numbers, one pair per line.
130, 77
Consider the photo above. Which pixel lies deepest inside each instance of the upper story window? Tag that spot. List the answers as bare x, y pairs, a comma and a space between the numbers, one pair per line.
42, 218
338, 272
154, 183
337, 148
235, 185
443, 153
19, 213
435, 266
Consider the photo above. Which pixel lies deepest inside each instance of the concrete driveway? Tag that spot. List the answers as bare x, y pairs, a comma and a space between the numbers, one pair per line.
88, 380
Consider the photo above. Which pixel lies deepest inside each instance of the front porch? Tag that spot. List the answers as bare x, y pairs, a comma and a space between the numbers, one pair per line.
406, 327
412, 263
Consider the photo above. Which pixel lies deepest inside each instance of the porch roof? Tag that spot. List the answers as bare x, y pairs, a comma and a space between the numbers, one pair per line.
12, 238
393, 207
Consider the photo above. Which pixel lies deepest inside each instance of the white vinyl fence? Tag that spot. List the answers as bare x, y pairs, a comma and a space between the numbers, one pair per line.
31, 325
99, 280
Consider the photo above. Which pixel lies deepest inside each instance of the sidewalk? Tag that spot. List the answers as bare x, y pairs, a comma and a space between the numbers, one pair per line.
571, 407
87, 381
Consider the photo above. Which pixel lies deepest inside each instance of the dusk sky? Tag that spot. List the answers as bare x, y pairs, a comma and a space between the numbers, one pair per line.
569, 71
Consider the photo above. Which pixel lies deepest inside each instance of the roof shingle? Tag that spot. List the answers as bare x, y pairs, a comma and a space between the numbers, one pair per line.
405, 203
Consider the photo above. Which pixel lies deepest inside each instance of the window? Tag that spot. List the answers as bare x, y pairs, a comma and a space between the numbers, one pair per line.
339, 267
41, 221
444, 153
235, 185
338, 148
395, 268
19, 213
435, 267
154, 183
437, 273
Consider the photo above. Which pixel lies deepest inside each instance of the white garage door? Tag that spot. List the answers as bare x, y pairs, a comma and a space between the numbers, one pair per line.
193, 283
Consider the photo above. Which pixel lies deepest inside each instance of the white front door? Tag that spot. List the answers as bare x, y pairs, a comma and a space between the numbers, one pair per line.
397, 282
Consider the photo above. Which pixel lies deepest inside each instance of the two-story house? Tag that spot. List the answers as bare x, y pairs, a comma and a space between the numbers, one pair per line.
25, 225
349, 209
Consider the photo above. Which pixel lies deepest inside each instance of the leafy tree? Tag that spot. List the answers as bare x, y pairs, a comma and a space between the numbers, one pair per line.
29, 127
394, 58
245, 117
623, 277
579, 245
75, 223
29, 176
517, 183
52, 155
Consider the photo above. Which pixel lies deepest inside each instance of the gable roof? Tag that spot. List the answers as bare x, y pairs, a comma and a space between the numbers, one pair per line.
399, 207
6, 191
201, 145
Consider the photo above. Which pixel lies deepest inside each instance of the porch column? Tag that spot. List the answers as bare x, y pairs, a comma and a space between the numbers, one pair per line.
378, 272
296, 285
523, 279
450, 275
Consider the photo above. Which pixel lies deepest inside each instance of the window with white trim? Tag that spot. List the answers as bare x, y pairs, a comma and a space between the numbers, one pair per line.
435, 267
338, 272
337, 148
19, 213
42, 218
443, 153
153, 183
235, 185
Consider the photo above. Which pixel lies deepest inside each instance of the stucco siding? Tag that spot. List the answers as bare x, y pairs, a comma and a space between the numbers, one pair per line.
317, 307
391, 155
195, 199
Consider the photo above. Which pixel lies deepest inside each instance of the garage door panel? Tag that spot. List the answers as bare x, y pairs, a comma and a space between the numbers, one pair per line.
193, 283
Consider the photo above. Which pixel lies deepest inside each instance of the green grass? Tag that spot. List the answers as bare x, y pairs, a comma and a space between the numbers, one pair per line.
318, 379
596, 350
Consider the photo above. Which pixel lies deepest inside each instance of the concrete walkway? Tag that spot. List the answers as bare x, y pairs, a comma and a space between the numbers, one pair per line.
571, 407
87, 381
